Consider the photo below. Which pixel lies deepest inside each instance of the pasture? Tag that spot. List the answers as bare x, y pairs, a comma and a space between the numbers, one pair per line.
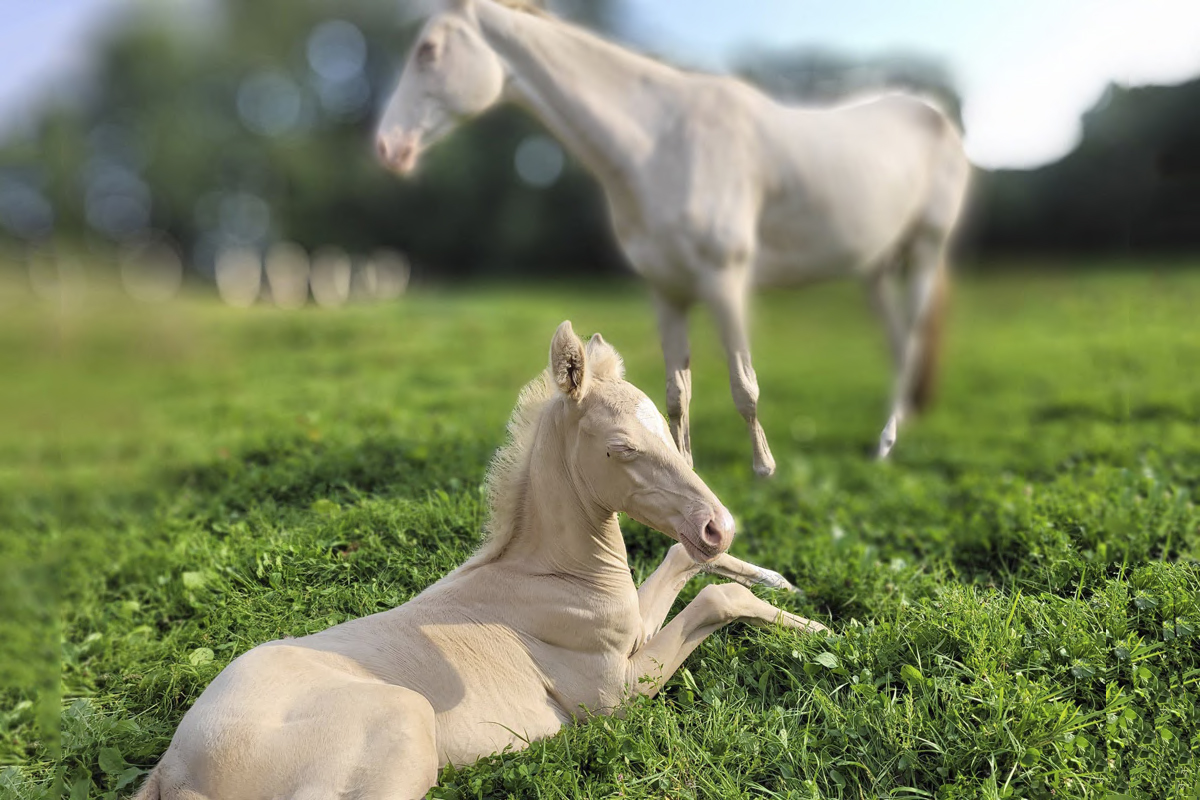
1014, 595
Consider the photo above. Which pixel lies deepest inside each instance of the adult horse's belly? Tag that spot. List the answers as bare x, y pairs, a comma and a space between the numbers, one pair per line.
840, 203
799, 245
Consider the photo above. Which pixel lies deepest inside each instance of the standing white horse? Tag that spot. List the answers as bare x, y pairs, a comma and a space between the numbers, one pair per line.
542, 622
713, 188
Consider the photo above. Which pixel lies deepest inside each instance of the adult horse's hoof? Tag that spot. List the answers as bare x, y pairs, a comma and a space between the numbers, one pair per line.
887, 439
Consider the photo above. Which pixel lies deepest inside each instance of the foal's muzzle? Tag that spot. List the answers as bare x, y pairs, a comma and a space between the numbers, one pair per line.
709, 535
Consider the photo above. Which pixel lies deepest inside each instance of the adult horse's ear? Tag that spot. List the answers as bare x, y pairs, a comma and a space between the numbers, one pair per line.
568, 363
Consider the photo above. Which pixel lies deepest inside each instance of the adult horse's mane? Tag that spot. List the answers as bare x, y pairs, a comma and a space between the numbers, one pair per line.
526, 6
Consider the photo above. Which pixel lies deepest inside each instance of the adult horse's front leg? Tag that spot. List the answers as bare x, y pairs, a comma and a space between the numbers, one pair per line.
673, 331
716, 606
726, 296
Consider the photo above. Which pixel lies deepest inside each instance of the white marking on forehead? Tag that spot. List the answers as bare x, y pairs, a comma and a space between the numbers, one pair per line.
647, 414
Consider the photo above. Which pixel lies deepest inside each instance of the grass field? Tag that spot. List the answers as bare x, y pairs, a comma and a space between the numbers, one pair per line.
1014, 596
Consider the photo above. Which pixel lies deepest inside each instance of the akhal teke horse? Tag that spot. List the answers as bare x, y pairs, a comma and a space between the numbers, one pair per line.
539, 628
713, 188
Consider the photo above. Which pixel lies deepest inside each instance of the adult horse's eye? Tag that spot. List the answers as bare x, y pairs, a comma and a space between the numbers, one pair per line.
426, 53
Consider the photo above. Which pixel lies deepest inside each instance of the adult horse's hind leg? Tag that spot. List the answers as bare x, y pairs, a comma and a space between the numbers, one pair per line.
927, 278
673, 331
884, 292
726, 296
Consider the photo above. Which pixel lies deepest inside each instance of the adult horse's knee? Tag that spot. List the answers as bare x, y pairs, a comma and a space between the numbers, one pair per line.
745, 397
677, 396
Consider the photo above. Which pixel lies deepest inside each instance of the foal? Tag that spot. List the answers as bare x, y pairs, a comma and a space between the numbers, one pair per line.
541, 623
713, 188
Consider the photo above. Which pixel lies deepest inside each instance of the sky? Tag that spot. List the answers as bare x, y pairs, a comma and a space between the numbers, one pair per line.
1026, 69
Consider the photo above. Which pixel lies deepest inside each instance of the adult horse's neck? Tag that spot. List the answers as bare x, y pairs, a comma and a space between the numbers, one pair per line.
560, 529
602, 102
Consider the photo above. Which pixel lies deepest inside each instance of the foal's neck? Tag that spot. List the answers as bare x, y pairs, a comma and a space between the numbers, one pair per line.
561, 531
601, 101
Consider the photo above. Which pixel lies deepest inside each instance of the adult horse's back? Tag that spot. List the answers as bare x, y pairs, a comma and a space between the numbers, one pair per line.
713, 187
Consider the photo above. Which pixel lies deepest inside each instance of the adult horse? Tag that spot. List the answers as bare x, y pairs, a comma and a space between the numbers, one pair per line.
713, 188
543, 622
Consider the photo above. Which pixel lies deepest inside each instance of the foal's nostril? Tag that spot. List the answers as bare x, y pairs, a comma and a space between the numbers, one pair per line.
712, 536
382, 148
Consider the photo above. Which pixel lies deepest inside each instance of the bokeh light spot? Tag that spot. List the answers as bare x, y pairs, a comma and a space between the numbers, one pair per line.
539, 161
269, 103
337, 50
239, 276
287, 274
331, 272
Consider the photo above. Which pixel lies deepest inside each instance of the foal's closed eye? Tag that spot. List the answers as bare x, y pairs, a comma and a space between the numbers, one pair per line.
621, 449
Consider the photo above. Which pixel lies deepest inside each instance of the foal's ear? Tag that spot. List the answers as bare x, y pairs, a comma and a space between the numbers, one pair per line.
568, 363
461, 6
604, 362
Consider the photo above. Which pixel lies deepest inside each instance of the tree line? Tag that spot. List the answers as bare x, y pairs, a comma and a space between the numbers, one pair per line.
257, 129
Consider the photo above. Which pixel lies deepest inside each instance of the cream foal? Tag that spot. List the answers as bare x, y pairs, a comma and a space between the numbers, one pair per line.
713, 188
541, 625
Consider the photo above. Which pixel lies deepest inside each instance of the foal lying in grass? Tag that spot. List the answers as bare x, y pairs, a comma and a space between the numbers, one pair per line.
543, 622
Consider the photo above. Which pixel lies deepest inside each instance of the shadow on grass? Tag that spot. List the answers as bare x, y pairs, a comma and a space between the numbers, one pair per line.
1148, 412
297, 472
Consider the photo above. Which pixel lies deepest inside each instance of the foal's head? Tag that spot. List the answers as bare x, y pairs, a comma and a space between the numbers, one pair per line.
452, 75
620, 453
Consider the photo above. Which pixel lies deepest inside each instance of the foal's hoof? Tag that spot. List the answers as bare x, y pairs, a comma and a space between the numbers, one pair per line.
801, 624
773, 580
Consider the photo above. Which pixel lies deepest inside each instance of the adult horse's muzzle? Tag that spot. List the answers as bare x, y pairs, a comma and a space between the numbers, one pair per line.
399, 153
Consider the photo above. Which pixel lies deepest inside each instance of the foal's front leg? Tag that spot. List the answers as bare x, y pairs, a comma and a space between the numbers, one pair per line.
715, 606
657, 593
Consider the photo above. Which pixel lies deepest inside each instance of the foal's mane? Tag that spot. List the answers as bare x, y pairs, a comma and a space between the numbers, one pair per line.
508, 474
509, 471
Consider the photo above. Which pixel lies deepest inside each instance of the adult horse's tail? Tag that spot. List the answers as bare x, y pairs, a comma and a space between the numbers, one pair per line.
924, 386
951, 174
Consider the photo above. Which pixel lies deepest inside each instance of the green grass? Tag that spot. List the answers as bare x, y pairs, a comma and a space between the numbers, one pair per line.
1014, 596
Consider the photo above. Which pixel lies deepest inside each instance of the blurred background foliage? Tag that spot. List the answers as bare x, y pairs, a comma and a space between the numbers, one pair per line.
251, 123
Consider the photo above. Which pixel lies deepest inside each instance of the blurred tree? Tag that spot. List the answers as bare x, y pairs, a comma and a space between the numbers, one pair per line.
256, 126
1132, 183
819, 77
259, 127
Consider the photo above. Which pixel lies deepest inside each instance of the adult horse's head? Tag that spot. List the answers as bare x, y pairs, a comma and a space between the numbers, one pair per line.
452, 74
620, 453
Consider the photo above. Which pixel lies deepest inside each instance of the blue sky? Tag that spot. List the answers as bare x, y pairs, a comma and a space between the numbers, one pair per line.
1026, 68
